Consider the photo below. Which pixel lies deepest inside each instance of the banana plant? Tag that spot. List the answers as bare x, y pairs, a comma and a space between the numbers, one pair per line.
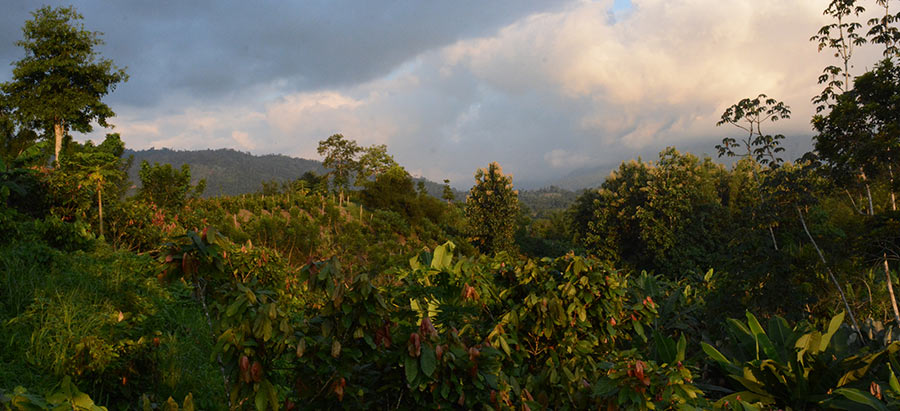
797, 367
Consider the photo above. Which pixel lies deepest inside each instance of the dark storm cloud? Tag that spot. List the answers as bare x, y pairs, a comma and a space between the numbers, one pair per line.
221, 49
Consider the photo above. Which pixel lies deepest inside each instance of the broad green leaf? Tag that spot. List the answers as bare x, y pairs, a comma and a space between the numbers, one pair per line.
762, 340
781, 335
861, 397
267, 386
428, 360
188, 402
261, 400
832, 328
578, 266
753, 386
584, 347
746, 398
83, 401
858, 367
768, 348
411, 368
554, 377
443, 256
713, 353
744, 337
665, 347
809, 342
680, 348
754, 325
708, 276
504, 345
639, 329
748, 407
235, 306
895, 385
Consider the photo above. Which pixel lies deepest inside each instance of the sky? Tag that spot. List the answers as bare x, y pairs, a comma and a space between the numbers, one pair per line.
545, 88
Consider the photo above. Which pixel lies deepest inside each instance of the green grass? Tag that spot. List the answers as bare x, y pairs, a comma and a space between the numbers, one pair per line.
101, 317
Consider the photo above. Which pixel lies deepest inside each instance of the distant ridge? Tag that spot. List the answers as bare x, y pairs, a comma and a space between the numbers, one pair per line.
585, 178
231, 172
227, 171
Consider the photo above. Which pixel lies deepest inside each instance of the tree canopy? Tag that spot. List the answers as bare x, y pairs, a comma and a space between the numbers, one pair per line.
166, 186
59, 85
491, 208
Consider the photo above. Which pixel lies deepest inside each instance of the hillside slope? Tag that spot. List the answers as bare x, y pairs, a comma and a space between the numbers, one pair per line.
227, 171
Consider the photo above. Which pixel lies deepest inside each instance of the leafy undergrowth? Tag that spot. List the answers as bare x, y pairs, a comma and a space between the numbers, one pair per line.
77, 309
300, 224
225, 324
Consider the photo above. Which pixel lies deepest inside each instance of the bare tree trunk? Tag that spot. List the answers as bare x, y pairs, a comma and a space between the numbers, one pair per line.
58, 133
853, 202
830, 274
869, 196
760, 194
772, 233
893, 197
890, 287
100, 206
862, 175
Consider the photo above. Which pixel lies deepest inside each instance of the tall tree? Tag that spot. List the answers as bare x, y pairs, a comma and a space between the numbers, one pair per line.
391, 190
447, 192
663, 217
842, 37
59, 85
98, 170
167, 187
761, 148
14, 138
749, 115
89, 176
860, 134
491, 208
883, 30
340, 156
374, 161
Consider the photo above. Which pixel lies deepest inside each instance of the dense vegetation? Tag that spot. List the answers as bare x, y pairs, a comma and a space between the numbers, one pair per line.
677, 284
231, 172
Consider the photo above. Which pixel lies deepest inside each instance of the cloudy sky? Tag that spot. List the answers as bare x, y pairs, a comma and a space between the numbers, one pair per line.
543, 87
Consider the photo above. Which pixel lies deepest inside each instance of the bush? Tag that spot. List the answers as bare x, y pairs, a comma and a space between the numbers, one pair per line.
65, 236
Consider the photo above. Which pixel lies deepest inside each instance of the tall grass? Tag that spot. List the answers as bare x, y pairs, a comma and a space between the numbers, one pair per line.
101, 317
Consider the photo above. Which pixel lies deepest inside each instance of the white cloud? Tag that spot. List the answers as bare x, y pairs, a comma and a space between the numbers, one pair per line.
668, 62
559, 158
243, 139
567, 89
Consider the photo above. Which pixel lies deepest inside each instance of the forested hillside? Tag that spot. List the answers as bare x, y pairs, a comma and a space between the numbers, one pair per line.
226, 171
230, 172
678, 283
